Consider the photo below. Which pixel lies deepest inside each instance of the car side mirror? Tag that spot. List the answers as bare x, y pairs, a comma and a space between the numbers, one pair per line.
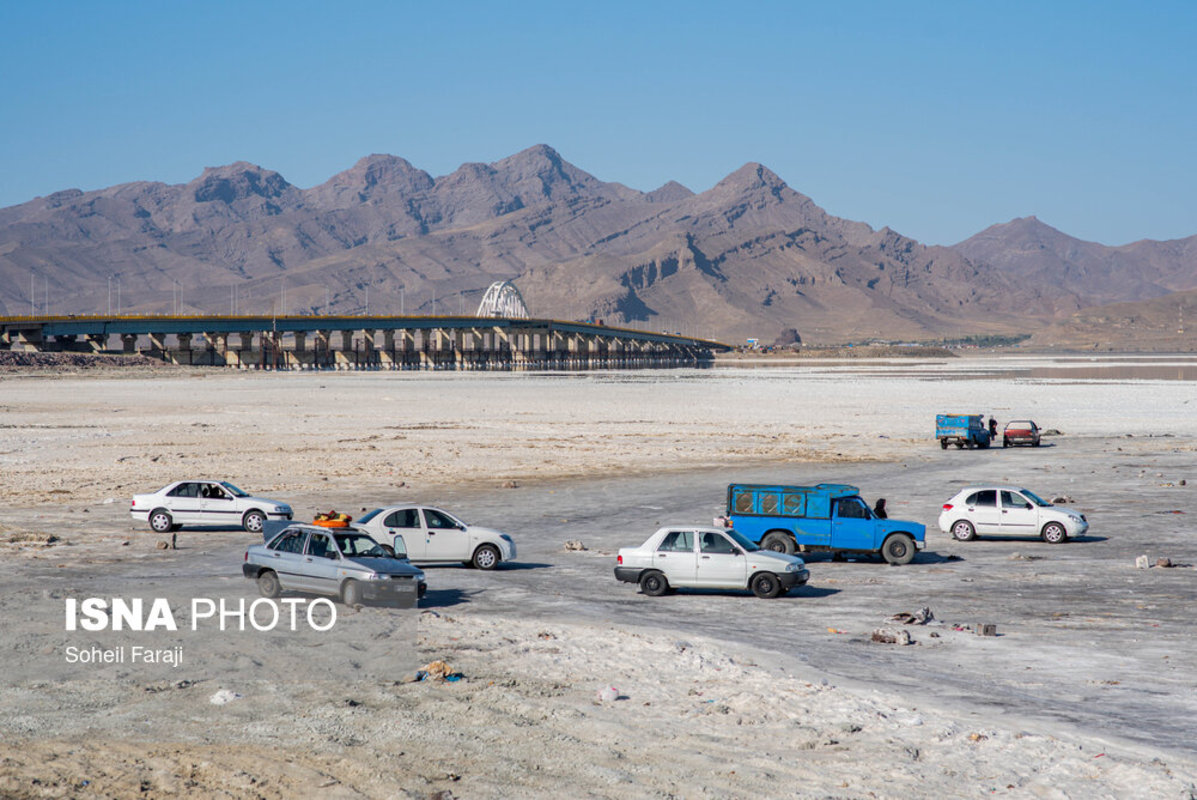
332, 555
1027, 506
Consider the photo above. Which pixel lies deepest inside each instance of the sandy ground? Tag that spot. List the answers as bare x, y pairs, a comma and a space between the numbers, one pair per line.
1088, 691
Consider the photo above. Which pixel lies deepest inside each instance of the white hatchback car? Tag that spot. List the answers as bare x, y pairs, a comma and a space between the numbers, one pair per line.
430, 534
707, 558
1008, 511
205, 502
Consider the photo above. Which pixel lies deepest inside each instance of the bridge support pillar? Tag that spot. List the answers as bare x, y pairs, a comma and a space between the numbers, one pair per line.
182, 354
129, 343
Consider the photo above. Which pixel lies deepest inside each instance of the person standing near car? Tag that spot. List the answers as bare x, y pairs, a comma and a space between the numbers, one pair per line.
992, 429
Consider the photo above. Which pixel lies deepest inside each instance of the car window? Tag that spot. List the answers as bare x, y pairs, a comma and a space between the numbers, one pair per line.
739, 539
233, 490
289, 542
986, 498
436, 519
359, 545
770, 503
1013, 500
403, 518
715, 543
742, 502
851, 508
677, 542
318, 545
1036, 499
184, 490
217, 493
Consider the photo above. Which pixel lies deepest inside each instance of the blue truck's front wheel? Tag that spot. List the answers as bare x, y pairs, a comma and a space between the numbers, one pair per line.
898, 549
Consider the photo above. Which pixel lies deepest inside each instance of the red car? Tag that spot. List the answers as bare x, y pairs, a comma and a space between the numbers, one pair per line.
1020, 431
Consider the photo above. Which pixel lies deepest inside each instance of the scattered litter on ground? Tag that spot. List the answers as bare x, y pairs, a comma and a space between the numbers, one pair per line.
1163, 562
920, 617
575, 544
510, 485
1062, 498
1023, 557
835, 630
1142, 562
901, 637
224, 697
608, 694
436, 671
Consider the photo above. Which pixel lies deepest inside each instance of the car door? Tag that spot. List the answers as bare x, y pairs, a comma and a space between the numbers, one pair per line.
983, 511
217, 506
721, 564
676, 558
405, 523
852, 525
285, 556
320, 564
447, 538
183, 502
1019, 515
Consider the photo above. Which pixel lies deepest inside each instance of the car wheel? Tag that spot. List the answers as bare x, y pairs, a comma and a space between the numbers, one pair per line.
351, 593
653, 583
963, 531
160, 520
1054, 533
1034, 444
486, 557
959, 445
268, 584
766, 585
1005, 442
253, 521
943, 444
898, 549
779, 543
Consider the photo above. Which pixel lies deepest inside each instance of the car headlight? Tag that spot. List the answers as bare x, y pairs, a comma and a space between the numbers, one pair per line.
374, 576
793, 567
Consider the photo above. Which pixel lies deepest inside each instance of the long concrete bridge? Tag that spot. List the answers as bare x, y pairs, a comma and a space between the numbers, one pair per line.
360, 342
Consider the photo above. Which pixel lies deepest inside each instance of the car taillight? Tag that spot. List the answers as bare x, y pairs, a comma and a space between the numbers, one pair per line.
246, 556
947, 506
619, 559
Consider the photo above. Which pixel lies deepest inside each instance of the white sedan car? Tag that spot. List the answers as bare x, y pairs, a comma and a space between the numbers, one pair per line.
707, 558
430, 534
205, 502
1008, 511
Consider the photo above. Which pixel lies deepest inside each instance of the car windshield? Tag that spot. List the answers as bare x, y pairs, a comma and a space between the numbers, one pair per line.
233, 490
358, 545
739, 539
1039, 501
369, 515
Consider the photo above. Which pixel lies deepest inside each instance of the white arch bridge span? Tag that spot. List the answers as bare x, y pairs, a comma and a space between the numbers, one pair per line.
378, 342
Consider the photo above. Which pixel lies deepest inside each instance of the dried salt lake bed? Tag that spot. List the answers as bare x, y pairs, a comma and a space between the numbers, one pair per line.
1091, 649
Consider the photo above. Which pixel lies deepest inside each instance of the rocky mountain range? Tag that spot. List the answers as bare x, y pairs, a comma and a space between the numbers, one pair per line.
747, 258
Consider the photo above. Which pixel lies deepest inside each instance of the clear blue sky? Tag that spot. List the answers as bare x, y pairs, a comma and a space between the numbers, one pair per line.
937, 119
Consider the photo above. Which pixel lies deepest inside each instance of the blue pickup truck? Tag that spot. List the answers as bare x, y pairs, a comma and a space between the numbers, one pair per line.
829, 516
962, 430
